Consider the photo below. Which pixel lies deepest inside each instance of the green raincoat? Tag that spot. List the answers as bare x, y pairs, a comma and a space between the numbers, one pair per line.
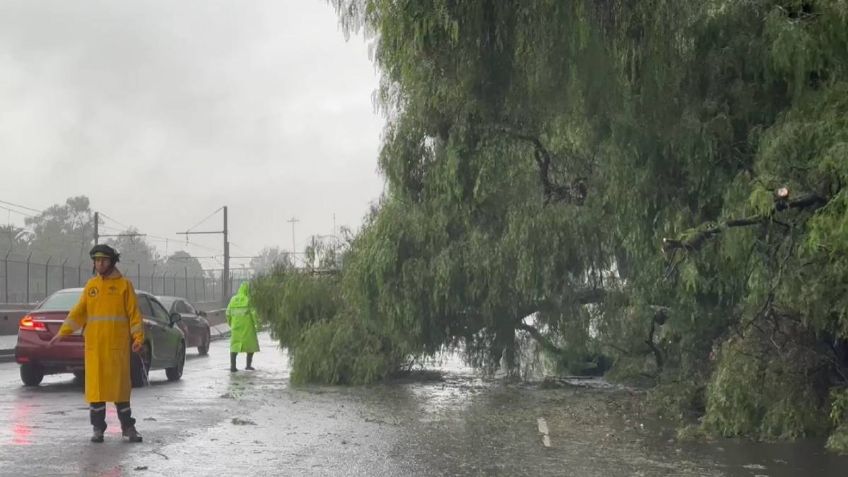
243, 322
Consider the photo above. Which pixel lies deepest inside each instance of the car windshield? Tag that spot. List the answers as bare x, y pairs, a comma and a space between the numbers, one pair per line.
167, 302
60, 301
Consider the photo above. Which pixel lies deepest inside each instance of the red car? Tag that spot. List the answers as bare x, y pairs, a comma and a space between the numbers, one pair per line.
164, 345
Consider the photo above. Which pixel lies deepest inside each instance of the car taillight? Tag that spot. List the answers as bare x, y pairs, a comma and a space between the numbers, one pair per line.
28, 324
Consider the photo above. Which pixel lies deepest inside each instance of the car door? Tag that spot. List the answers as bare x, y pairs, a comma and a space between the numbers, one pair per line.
171, 336
189, 319
155, 329
201, 326
152, 329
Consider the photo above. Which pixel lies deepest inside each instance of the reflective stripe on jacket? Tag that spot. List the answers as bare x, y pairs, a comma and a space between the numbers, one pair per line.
108, 309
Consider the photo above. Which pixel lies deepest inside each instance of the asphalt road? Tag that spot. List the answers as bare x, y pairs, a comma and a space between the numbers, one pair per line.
444, 422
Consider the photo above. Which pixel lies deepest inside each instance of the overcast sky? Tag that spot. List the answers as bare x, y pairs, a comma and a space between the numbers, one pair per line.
163, 111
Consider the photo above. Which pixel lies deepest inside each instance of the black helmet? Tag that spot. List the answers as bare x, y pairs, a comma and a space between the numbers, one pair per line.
105, 251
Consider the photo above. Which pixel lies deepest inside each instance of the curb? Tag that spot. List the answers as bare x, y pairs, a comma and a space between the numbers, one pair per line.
219, 332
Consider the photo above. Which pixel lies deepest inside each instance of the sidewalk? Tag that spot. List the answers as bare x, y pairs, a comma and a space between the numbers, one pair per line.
7, 342
220, 331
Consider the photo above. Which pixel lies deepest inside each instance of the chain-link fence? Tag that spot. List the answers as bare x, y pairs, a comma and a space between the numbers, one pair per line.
26, 280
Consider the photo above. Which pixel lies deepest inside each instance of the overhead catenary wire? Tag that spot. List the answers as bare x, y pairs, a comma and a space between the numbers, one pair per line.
17, 211
43, 248
158, 237
40, 211
205, 219
126, 227
114, 225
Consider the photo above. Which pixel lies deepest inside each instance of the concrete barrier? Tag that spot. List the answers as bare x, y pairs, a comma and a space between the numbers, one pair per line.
10, 316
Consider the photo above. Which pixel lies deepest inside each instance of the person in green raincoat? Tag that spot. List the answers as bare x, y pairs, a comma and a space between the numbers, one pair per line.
243, 326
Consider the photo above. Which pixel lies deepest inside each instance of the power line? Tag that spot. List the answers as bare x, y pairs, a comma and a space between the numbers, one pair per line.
112, 228
22, 206
126, 227
188, 258
204, 220
187, 242
17, 211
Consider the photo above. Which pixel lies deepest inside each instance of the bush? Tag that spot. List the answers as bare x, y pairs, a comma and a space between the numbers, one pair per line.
327, 343
767, 389
838, 440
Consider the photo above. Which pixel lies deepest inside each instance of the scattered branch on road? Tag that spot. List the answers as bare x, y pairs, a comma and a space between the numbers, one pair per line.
160, 454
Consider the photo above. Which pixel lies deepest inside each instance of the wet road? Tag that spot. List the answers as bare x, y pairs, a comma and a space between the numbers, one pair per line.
449, 423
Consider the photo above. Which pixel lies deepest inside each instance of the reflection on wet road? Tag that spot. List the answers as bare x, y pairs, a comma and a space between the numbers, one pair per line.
450, 422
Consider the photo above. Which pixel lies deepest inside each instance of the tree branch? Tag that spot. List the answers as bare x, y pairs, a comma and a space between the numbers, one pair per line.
696, 241
658, 355
586, 296
547, 345
574, 193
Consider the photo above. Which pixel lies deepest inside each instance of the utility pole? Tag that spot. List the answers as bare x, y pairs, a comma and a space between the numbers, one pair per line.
225, 281
225, 289
293, 221
96, 224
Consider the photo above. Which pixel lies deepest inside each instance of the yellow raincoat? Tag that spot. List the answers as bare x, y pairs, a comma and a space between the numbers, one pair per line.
108, 309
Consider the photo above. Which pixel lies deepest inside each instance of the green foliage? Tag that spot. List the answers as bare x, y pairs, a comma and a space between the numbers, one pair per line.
341, 351
763, 388
679, 401
292, 302
838, 440
538, 153
326, 343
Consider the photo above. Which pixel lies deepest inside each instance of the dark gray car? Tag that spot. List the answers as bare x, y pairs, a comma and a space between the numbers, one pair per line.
193, 322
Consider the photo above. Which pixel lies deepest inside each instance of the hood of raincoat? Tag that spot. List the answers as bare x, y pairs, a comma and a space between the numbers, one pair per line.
242, 298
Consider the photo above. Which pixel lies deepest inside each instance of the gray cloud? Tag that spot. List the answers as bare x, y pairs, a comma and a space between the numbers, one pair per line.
259, 105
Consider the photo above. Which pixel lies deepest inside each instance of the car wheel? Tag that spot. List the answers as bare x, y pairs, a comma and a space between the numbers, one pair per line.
31, 374
203, 349
175, 373
140, 367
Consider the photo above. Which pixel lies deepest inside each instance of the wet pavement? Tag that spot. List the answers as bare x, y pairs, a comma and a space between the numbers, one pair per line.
450, 422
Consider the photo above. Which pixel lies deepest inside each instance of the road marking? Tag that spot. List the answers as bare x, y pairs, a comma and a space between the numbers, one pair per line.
543, 429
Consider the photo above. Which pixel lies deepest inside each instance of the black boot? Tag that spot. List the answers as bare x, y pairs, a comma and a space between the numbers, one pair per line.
249, 366
97, 413
131, 434
127, 422
233, 368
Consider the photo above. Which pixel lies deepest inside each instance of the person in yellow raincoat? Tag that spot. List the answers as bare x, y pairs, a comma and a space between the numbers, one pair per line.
241, 317
108, 310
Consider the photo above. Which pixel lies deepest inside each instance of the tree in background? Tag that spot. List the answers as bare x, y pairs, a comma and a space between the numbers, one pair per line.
13, 239
135, 250
269, 258
62, 231
181, 263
